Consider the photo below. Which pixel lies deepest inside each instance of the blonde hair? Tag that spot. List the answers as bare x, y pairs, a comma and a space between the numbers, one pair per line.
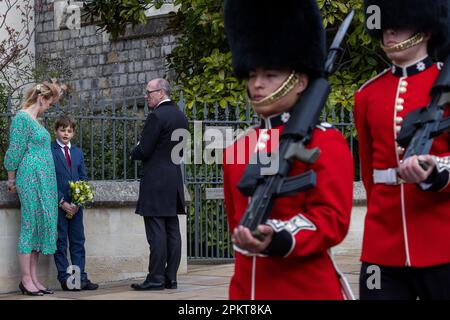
45, 89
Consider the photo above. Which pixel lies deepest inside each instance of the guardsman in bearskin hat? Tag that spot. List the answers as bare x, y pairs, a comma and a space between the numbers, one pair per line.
407, 225
279, 50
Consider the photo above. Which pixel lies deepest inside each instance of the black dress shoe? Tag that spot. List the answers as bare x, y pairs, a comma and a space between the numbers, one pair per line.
66, 288
148, 285
27, 292
171, 284
88, 285
47, 291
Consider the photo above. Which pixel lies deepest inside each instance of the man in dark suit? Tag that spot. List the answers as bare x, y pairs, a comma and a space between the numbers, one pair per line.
69, 166
161, 193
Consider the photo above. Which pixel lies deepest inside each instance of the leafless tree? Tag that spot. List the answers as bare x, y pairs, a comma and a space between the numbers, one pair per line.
16, 58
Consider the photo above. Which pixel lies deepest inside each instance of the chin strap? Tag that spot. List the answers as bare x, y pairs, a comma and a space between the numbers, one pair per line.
409, 43
284, 89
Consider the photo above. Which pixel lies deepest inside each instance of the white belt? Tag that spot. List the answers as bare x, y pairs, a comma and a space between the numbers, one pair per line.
388, 176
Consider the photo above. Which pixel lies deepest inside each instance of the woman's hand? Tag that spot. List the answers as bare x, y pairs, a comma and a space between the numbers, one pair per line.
11, 186
243, 238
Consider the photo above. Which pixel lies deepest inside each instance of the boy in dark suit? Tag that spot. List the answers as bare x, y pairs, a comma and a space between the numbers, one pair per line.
69, 165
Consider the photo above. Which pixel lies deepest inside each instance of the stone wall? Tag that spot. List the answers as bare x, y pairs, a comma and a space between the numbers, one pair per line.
90, 61
116, 245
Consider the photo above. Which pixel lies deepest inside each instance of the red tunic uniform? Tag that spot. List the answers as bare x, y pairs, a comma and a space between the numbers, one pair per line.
404, 225
316, 220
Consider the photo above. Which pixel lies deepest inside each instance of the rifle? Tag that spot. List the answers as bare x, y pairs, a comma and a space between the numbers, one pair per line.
423, 125
297, 133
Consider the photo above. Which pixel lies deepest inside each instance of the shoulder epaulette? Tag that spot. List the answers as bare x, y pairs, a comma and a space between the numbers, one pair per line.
324, 126
245, 132
373, 79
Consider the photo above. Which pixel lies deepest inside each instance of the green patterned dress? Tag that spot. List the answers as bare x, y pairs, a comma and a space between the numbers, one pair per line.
30, 154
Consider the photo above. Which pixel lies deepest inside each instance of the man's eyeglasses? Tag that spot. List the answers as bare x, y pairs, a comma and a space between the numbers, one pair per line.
147, 92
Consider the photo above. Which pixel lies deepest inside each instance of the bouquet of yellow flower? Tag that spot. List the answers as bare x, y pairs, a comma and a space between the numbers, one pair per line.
81, 193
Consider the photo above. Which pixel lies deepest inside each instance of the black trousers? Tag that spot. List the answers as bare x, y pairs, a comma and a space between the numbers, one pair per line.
404, 283
164, 239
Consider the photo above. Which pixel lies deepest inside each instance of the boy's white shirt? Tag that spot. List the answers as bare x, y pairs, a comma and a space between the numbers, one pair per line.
62, 145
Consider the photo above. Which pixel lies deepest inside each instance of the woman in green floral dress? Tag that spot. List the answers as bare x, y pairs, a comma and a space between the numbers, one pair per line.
31, 173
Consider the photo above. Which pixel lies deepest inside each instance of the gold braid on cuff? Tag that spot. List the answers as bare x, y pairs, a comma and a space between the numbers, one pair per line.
284, 89
409, 43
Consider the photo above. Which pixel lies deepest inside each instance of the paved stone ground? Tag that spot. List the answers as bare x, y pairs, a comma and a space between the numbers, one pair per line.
202, 282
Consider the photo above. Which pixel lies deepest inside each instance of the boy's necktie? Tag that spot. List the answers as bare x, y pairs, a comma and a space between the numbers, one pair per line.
66, 152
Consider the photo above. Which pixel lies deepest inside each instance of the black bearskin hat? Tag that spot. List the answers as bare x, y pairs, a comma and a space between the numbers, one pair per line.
418, 15
270, 35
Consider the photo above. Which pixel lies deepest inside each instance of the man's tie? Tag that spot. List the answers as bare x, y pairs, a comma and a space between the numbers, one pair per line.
66, 152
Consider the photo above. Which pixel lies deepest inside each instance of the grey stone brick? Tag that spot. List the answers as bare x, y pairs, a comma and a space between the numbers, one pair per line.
127, 45
123, 81
51, 36
137, 91
60, 46
68, 44
82, 32
101, 59
89, 51
86, 61
39, 48
147, 65
79, 42
94, 60
142, 78
75, 33
92, 72
130, 67
154, 74
81, 73
94, 84
117, 45
123, 56
136, 44
118, 92
51, 46
148, 54
103, 83
112, 57
135, 55
91, 30
39, 27
112, 81
87, 84
65, 35
119, 68
128, 92
94, 40
107, 70
107, 93
86, 42
48, 26
132, 78
48, 16
138, 66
